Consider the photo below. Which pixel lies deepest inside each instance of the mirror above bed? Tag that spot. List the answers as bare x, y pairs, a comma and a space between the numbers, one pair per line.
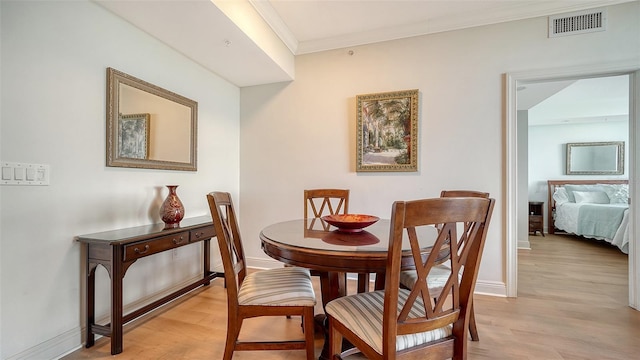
149, 127
595, 158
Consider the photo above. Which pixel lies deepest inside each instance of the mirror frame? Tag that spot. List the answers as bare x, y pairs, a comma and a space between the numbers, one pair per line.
114, 79
619, 158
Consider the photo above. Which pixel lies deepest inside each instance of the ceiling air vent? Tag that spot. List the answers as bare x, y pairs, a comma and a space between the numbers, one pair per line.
578, 22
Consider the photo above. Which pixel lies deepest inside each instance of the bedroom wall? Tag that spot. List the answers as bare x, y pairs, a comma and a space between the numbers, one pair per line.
54, 56
302, 134
547, 153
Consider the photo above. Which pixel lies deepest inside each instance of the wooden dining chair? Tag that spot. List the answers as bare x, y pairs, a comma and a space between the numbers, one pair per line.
276, 292
321, 202
415, 323
440, 272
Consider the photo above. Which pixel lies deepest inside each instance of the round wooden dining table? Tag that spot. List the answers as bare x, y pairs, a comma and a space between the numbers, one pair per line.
314, 244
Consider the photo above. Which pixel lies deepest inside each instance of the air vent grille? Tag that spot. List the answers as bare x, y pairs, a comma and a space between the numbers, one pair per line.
578, 22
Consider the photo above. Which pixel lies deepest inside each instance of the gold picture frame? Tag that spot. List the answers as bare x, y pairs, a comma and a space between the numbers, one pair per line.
387, 131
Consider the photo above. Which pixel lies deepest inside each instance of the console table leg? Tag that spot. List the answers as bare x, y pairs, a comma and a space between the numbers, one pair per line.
206, 248
91, 302
117, 273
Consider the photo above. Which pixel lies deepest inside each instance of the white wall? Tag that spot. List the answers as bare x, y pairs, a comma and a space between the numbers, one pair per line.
547, 153
53, 78
302, 134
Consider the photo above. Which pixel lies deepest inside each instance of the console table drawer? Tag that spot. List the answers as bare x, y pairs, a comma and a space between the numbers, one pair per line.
202, 233
149, 247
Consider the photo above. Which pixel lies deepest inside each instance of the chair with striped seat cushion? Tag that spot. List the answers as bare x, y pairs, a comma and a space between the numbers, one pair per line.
409, 277
275, 292
415, 323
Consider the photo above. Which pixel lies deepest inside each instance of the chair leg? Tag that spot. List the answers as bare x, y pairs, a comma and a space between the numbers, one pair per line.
335, 341
363, 283
233, 331
309, 321
473, 330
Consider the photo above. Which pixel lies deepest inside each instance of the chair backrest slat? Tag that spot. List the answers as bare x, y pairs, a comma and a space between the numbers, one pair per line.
464, 193
229, 242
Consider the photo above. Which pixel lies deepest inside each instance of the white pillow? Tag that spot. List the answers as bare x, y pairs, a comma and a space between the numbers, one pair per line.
572, 188
560, 196
618, 193
591, 197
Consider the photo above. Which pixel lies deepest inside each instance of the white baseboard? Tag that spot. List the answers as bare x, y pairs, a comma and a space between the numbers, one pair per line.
54, 348
524, 244
263, 264
491, 288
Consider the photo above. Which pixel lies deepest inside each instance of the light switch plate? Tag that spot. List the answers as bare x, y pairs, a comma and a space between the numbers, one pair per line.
24, 174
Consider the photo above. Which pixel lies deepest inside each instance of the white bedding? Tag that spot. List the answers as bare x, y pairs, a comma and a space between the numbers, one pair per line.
566, 219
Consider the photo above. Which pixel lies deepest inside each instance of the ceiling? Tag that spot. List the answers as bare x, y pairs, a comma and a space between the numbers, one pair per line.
603, 99
220, 34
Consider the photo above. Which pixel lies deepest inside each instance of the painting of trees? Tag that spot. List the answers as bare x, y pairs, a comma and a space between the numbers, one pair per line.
387, 125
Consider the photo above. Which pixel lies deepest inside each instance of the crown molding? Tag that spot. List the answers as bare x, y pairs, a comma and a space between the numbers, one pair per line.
492, 15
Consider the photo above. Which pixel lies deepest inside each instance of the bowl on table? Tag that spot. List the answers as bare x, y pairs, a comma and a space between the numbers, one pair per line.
350, 223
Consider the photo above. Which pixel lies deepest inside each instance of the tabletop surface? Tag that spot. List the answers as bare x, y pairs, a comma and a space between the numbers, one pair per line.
136, 233
314, 234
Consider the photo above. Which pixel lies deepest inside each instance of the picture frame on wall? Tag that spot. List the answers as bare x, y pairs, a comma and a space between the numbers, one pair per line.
133, 140
387, 131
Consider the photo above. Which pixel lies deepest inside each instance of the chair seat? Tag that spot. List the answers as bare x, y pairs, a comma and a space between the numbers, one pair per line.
436, 279
289, 286
363, 313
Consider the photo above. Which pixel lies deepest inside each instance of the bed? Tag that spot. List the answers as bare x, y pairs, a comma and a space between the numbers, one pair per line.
595, 209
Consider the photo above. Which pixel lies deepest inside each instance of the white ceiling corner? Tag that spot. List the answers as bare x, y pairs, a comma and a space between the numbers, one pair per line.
276, 23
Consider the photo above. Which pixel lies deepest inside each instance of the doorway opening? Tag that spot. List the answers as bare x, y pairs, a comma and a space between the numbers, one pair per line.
517, 162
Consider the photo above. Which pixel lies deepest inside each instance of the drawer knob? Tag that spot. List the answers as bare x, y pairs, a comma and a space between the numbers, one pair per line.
179, 240
138, 251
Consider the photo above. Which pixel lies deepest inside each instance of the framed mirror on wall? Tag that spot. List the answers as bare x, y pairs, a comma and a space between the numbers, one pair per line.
149, 127
595, 158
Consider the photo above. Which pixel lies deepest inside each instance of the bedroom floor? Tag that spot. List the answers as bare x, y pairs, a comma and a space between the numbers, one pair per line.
572, 304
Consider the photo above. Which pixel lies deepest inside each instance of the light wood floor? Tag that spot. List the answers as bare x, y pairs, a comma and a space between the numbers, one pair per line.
572, 304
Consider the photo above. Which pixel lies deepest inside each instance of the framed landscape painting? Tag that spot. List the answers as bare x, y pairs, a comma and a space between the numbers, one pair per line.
133, 142
387, 131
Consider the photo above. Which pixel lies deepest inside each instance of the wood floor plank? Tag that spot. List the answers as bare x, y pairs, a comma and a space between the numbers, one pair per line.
572, 304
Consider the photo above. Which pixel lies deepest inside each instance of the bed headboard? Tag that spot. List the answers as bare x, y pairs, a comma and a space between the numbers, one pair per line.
553, 184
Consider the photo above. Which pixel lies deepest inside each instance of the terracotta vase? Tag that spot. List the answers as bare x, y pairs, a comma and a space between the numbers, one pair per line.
172, 210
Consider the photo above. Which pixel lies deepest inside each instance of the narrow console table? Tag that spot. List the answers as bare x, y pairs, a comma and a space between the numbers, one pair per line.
116, 250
